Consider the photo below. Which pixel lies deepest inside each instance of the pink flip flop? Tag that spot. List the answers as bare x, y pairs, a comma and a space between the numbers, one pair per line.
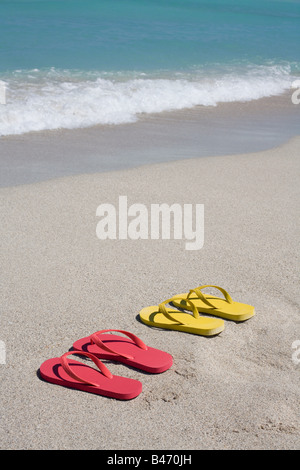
130, 351
74, 374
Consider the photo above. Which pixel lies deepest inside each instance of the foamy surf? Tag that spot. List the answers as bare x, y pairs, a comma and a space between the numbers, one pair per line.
45, 100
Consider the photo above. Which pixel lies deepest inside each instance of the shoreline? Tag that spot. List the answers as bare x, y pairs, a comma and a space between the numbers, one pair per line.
110, 173
230, 128
238, 390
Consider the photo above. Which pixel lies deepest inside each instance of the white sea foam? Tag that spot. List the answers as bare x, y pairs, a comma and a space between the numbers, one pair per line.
38, 100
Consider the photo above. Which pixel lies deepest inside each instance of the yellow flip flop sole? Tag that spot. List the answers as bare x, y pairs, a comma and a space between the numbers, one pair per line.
161, 317
216, 306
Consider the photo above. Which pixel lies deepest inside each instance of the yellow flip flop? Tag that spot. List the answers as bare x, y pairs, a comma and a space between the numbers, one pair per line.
225, 308
162, 317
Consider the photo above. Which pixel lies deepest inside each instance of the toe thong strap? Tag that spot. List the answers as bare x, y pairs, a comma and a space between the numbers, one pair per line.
164, 311
65, 365
96, 340
202, 297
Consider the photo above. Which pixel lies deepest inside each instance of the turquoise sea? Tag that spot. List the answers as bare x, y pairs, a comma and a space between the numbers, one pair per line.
78, 63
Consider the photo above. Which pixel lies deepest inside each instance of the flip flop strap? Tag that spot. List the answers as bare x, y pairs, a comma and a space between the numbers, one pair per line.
96, 340
202, 297
65, 365
162, 309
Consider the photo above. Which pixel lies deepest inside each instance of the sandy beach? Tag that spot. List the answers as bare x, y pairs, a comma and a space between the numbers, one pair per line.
59, 282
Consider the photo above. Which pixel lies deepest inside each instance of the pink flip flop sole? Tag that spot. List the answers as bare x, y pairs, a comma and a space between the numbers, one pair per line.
80, 376
130, 351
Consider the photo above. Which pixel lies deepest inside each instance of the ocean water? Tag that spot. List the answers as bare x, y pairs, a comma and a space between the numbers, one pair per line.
79, 63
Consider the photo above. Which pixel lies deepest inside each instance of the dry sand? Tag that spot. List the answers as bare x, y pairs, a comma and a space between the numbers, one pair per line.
59, 282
